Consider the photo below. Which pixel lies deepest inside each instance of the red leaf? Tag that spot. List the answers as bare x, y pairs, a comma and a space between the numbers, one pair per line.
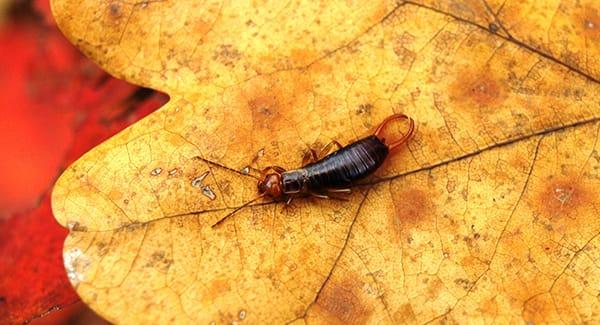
33, 280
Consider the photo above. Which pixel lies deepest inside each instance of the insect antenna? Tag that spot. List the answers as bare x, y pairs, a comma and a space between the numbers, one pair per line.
216, 224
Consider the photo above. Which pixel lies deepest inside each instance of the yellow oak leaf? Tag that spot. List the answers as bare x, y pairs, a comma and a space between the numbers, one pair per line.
490, 214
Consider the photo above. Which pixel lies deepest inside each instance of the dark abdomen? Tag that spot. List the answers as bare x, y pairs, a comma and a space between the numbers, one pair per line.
351, 163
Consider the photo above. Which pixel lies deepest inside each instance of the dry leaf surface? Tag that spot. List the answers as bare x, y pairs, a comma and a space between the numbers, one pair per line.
490, 213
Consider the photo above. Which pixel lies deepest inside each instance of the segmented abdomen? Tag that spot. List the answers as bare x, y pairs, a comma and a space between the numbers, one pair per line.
351, 163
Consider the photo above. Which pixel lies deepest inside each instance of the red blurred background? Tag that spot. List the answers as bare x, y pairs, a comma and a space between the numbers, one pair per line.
55, 105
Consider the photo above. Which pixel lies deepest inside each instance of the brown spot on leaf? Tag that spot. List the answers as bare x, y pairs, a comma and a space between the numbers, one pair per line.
201, 27
464, 283
489, 307
539, 309
303, 56
405, 314
340, 303
589, 20
115, 9
433, 287
265, 109
364, 109
114, 13
411, 207
479, 89
227, 54
215, 289
562, 197
320, 67
159, 260
270, 98
76, 226
404, 54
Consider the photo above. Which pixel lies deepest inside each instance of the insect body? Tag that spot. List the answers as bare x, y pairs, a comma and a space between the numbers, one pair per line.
336, 172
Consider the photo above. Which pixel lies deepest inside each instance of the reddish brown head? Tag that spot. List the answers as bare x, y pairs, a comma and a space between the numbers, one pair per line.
271, 185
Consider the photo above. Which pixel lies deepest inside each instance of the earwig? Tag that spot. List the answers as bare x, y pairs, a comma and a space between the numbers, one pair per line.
336, 172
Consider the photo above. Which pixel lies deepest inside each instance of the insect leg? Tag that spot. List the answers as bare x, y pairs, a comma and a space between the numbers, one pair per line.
277, 169
320, 196
310, 156
288, 203
339, 190
327, 197
327, 149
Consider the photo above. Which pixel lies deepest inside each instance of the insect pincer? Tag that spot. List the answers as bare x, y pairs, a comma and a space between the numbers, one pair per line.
403, 139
